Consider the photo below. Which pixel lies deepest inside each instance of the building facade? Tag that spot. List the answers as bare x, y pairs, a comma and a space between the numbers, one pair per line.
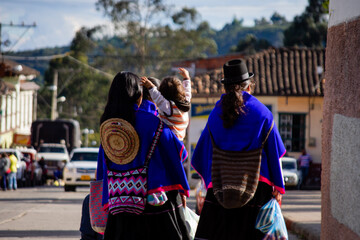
18, 102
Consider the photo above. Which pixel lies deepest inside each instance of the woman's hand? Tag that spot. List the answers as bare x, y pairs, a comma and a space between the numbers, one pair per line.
183, 200
184, 73
277, 195
146, 83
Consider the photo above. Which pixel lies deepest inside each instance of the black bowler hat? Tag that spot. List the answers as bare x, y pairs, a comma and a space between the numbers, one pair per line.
235, 71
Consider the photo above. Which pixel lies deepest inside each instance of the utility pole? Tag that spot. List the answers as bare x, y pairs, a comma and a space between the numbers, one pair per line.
54, 96
22, 25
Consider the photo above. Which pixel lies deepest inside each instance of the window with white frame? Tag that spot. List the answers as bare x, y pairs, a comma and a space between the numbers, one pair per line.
292, 131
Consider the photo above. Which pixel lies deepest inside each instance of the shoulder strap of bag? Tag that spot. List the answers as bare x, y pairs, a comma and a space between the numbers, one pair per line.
272, 125
154, 142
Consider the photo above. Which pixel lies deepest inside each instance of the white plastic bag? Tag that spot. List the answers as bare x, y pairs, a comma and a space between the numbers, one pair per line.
191, 219
271, 221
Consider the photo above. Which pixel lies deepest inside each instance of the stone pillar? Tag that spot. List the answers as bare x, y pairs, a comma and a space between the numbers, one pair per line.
340, 211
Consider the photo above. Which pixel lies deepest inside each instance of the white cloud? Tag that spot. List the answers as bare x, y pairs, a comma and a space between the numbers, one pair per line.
57, 21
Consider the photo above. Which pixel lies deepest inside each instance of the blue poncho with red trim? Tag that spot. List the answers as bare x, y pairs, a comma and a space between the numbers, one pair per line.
165, 170
247, 134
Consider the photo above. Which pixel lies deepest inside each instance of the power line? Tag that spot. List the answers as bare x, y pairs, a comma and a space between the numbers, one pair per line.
94, 69
47, 58
22, 25
18, 39
36, 58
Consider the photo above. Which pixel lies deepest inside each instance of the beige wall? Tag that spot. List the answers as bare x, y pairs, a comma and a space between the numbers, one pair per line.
312, 107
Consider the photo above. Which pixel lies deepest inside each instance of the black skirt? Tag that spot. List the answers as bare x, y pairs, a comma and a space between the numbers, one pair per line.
162, 222
217, 222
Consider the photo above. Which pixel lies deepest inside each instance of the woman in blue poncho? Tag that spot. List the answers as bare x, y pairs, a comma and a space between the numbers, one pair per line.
239, 122
166, 181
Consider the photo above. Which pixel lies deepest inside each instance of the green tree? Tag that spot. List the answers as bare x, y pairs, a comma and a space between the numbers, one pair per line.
250, 45
261, 22
277, 19
149, 43
135, 22
186, 17
85, 89
310, 28
228, 37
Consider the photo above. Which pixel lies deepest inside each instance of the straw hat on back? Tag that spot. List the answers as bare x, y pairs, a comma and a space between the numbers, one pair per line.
119, 140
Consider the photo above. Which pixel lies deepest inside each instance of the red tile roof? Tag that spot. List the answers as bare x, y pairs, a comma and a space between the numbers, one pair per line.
8, 66
278, 72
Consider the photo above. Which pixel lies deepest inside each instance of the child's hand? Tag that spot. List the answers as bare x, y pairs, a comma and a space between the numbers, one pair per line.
184, 73
146, 83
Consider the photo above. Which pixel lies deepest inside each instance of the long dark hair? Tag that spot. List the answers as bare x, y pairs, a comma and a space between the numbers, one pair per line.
124, 92
232, 102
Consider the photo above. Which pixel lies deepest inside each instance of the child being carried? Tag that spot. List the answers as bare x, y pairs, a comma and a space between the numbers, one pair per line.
173, 101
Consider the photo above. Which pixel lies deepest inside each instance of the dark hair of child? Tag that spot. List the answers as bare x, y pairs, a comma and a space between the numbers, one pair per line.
171, 88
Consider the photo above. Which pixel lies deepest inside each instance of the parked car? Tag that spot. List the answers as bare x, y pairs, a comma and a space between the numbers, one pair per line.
55, 156
291, 172
33, 169
21, 165
81, 168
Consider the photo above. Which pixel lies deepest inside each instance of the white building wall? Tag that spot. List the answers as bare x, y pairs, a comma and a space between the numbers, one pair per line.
8, 112
18, 106
22, 109
3, 116
13, 110
343, 11
30, 105
28, 109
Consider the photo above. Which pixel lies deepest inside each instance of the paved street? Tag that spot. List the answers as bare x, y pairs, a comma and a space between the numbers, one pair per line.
302, 212
50, 213
41, 213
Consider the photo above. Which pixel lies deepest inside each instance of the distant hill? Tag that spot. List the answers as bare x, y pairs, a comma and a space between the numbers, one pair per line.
41, 65
225, 38
233, 32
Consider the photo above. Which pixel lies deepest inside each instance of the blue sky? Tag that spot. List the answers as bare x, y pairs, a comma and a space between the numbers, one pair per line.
57, 21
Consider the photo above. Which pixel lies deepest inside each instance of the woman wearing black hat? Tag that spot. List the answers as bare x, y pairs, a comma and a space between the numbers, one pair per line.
140, 164
238, 157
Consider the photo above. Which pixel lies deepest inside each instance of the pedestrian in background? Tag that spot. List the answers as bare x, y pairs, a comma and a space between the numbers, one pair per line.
304, 162
4, 169
13, 171
238, 123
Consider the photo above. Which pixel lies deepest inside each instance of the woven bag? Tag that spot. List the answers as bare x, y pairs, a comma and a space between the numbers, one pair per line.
235, 174
128, 189
98, 216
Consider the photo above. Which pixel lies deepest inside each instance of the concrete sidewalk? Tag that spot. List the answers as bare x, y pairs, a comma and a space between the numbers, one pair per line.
302, 213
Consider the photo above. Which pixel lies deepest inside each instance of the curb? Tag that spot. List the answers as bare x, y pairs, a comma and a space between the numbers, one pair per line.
305, 231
